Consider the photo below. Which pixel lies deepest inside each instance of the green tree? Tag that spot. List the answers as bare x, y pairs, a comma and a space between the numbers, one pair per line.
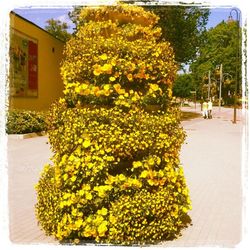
182, 26
58, 29
74, 16
183, 85
220, 47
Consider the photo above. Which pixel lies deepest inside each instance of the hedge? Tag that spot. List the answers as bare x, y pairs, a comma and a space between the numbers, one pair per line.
25, 121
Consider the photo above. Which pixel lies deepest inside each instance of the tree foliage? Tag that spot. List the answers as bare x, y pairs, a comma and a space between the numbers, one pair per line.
58, 29
183, 85
182, 26
222, 45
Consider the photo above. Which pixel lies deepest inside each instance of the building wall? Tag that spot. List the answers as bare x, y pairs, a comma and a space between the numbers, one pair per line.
50, 53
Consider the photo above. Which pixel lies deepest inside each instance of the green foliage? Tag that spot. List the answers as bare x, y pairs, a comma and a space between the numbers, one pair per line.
115, 175
23, 121
58, 29
220, 47
182, 26
183, 85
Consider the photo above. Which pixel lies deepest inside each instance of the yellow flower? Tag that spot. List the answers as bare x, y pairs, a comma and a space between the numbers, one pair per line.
102, 229
78, 223
106, 87
97, 70
107, 68
113, 62
130, 77
144, 174
154, 87
112, 219
151, 182
65, 176
77, 89
85, 92
106, 92
103, 211
137, 164
89, 196
151, 162
96, 91
73, 178
156, 54
122, 177
169, 93
88, 231
104, 56
86, 187
112, 79
136, 183
117, 87
86, 143
184, 209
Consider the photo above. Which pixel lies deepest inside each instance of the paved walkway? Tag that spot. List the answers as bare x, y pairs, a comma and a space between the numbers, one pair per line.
212, 163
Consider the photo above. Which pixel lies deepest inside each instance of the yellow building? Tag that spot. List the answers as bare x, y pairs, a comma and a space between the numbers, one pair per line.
35, 57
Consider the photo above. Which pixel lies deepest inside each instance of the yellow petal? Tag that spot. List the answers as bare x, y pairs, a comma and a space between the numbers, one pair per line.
86, 144
137, 164
89, 196
104, 56
112, 79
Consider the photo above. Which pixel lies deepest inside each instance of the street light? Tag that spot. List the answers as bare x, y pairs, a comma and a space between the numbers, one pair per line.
209, 85
222, 77
230, 18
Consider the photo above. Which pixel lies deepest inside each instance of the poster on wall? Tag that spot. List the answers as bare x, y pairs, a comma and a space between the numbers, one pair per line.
23, 73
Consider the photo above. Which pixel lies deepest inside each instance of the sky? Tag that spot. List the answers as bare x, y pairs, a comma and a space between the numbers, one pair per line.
40, 16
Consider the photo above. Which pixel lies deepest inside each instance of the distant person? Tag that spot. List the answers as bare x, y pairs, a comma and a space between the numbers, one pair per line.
209, 109
205, 109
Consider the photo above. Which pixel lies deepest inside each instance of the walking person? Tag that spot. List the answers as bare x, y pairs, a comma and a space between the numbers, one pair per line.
209, 109
205, 109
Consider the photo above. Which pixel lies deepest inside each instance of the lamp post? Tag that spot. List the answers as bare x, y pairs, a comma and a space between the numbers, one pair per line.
209, 84
237, 57
221, 76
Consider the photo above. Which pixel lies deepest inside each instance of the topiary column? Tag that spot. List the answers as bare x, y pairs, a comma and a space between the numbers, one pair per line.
116, 175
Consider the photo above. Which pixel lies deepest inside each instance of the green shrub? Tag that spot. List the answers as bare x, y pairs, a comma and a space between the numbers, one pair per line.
24, 121
115, 175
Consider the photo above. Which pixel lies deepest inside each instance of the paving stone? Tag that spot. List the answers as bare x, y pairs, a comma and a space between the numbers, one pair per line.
212, 161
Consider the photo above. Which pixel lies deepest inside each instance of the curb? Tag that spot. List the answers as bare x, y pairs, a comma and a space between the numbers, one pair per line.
26, 136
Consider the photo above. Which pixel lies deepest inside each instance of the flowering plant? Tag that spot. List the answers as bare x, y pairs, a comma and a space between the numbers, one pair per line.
110, 58
115, 175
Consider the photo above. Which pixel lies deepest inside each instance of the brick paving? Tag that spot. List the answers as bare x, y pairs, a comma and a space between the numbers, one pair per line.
211, 158
212, 163
25, 161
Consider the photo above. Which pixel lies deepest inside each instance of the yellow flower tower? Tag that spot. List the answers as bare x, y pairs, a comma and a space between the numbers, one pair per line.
116, 176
